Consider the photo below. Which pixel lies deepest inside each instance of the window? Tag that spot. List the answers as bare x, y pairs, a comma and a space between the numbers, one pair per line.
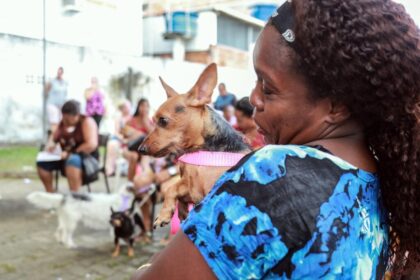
235, 33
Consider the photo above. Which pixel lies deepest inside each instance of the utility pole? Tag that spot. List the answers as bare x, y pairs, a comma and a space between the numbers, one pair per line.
44, 74
130, 84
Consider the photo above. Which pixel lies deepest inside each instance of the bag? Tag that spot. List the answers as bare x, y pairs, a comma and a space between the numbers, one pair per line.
135, 144
90, 168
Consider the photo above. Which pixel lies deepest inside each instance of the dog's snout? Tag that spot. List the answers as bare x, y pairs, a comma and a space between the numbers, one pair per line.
143, 149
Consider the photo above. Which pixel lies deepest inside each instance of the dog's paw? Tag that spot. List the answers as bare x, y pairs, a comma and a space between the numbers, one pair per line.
130, 252
115, 254
182, 211
161, 222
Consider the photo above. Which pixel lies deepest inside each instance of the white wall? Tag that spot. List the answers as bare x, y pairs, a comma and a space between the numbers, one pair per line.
21, 80
113, 25
102, 40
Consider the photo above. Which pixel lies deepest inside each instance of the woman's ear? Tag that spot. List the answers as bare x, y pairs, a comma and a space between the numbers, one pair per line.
338, 112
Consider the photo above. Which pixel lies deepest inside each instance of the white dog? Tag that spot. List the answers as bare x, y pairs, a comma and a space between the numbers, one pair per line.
94, 210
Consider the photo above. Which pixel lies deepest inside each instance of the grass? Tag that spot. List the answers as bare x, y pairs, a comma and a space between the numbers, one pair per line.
20, 160
14, 158
8, 268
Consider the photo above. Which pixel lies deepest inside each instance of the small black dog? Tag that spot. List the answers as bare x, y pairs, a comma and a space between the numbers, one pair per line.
124, 223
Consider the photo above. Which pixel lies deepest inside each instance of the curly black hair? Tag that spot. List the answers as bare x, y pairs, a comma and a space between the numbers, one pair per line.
365, 54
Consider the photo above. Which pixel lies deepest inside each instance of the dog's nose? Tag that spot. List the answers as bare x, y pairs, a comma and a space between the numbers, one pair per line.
143, 149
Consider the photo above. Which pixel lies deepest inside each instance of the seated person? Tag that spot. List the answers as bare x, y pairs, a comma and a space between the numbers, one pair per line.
136, 128
116, 141
246, 124
229, 115
225, 98
75, 134
162, 172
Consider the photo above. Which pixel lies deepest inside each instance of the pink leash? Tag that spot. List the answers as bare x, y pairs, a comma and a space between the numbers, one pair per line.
204, 158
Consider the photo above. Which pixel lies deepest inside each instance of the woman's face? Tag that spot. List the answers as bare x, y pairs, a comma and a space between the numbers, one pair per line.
70, 120
144, 109
283, 111
243, 121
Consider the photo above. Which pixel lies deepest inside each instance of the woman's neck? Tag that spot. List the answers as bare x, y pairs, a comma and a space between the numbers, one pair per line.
348, 142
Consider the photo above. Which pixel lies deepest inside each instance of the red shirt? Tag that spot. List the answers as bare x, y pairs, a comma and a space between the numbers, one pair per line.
133, 123
255, 143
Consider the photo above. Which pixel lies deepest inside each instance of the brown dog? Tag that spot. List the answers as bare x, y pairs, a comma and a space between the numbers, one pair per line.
185, 124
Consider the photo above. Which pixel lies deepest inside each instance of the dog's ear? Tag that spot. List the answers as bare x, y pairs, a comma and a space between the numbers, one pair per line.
202, 91
170, 92
112, 210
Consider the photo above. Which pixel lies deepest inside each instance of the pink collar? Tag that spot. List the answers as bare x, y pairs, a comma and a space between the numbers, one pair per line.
205, 158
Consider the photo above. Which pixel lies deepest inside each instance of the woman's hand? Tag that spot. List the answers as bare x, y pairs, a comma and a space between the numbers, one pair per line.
50, 147
64, 155
162, 176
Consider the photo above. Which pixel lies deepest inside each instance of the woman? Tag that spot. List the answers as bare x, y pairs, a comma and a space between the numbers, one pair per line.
246, 124
134, 131
95, 106
337, 197
75, 134
136, 128
117, 139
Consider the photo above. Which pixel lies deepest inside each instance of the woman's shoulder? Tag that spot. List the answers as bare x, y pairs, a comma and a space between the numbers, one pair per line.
87, 122
274, 160
131, 121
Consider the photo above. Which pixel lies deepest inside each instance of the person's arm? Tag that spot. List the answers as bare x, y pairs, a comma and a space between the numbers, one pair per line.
90, 134
88, 93
118, 128
52, 142
47, 88
233, 103
166, 174
148, 124
217, 104
131, 133
179, 260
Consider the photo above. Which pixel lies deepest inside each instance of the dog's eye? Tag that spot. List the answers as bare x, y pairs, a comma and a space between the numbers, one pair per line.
163, 122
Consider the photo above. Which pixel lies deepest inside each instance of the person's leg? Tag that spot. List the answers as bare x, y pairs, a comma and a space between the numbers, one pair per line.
111, 158
46, 178
132, 158
54, 117
74, 172
146, 211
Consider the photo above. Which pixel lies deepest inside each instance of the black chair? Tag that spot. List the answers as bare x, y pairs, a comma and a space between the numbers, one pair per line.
102, 142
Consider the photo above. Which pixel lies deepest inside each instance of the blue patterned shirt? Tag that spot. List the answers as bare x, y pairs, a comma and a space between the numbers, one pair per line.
292, 212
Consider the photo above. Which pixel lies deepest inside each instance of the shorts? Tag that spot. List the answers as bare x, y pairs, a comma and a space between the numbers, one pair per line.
54, 114
73, 160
